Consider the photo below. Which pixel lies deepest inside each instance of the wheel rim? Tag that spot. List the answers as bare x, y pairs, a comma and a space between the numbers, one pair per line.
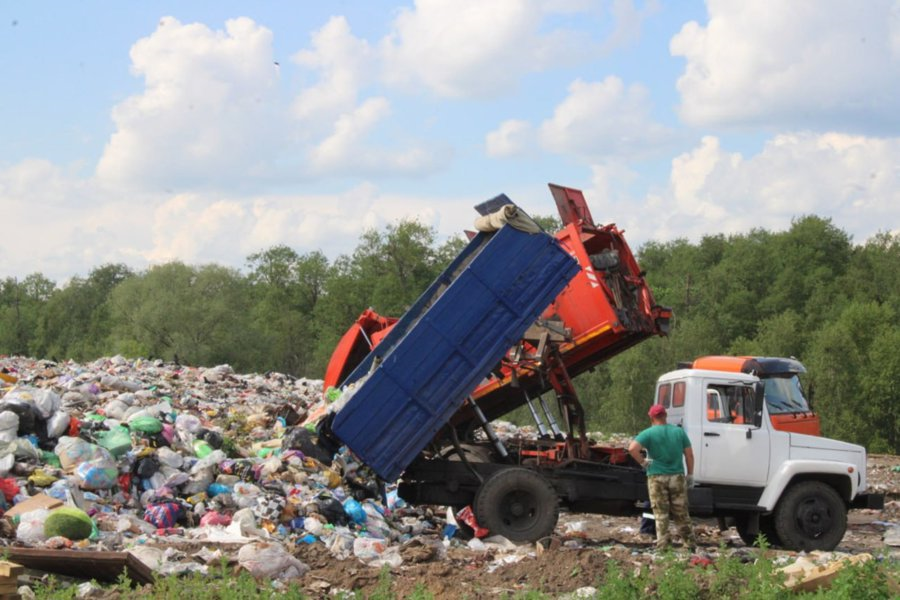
813, 517
518, 510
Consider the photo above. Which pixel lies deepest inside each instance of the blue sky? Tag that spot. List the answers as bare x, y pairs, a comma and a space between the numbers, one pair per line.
206, 131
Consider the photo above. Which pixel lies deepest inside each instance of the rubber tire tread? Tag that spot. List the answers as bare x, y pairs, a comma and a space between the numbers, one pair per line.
791, 536
490, 495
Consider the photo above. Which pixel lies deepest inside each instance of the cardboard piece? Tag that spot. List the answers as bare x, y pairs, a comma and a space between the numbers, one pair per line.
35, 502
806, 576
10, 569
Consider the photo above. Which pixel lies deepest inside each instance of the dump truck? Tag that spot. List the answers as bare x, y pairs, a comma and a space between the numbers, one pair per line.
515, 317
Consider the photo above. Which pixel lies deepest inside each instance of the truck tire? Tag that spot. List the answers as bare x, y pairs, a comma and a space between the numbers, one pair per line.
811, 516
518, 504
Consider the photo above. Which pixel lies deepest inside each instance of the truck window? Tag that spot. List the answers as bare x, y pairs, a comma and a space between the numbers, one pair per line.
784, 395
714, 411
678, 394
729, 404
662, 397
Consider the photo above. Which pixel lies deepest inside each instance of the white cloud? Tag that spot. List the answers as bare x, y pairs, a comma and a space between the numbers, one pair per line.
345, 63
603, 119
474, 48
344, 150
628, 20
853, 180
818, 64
513, 137
209, 111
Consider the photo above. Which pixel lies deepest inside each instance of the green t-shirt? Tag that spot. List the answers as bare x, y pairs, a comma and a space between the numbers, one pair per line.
665, 444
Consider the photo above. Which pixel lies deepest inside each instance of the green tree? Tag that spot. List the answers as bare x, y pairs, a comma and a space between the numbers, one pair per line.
195, 314
21, 303
286, 288
387, 271
851, 373
75, 322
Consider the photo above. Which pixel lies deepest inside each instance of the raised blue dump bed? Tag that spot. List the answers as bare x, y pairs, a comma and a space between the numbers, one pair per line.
447, 343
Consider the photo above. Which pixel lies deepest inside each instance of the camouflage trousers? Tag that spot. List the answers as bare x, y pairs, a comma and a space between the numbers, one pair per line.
668, 496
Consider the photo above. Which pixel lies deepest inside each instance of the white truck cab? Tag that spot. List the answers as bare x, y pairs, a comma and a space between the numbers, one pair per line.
794, 488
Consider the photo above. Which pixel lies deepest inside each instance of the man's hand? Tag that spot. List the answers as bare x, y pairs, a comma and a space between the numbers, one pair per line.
689, 480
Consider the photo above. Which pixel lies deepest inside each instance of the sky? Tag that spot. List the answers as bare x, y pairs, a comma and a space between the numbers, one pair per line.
206, 131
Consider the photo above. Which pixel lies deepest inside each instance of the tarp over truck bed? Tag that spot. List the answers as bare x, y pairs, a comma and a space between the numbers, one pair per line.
447, 343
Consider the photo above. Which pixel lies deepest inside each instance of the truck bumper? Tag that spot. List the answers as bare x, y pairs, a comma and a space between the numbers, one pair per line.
873, 501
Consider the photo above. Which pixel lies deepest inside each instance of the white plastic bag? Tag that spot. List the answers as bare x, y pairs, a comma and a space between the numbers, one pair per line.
31, 526
270, 560
46, 401
58, 424
9, 426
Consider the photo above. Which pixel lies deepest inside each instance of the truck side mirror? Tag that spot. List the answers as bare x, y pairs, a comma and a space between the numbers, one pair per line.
759, 399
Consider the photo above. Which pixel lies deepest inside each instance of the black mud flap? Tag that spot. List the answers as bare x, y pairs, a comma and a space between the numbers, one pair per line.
873, 501
700, 500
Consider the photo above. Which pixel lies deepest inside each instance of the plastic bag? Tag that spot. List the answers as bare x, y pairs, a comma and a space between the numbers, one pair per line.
163, 514
115, 409
72, 451
270, 560
355, 511
46, 402
9, 426
31, 526
9, 489
117, 441
58, 424
169, 457
24, 409
245, 494
145, 424
215, 518
97, 474
269, 507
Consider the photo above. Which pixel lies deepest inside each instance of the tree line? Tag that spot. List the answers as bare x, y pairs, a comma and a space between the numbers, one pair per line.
807, 292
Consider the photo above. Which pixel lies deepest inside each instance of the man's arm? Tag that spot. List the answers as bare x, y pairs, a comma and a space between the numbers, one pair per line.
634, 449
689, 459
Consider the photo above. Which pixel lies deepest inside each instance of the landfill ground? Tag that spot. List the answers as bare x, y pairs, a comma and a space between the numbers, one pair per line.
183, 469
578, 554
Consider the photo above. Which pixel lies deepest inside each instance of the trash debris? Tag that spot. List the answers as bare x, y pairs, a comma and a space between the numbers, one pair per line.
271, 560
117, 463
818, 569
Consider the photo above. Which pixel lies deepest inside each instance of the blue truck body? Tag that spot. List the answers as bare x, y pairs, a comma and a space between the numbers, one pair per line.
410, 385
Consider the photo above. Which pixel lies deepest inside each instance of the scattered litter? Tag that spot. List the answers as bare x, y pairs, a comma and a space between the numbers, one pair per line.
818, 569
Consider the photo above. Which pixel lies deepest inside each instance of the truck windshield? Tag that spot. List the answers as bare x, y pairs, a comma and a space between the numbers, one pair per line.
784, 395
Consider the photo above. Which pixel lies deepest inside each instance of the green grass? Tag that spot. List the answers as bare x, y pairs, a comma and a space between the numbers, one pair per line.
669, 578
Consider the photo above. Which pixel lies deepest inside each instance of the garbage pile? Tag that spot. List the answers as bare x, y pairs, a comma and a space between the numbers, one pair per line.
143, 455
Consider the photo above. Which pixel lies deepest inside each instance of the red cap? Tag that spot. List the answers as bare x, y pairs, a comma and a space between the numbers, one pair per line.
657, 410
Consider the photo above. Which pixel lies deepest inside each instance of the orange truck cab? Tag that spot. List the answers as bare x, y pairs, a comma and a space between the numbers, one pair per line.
789, 408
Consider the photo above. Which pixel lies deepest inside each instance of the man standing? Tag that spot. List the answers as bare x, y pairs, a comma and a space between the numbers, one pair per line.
666, 444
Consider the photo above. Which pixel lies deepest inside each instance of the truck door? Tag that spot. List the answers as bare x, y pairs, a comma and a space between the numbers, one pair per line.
733, 450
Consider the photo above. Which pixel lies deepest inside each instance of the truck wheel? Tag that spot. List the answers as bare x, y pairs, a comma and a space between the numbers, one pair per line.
518, 504
811, 516
766, 527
